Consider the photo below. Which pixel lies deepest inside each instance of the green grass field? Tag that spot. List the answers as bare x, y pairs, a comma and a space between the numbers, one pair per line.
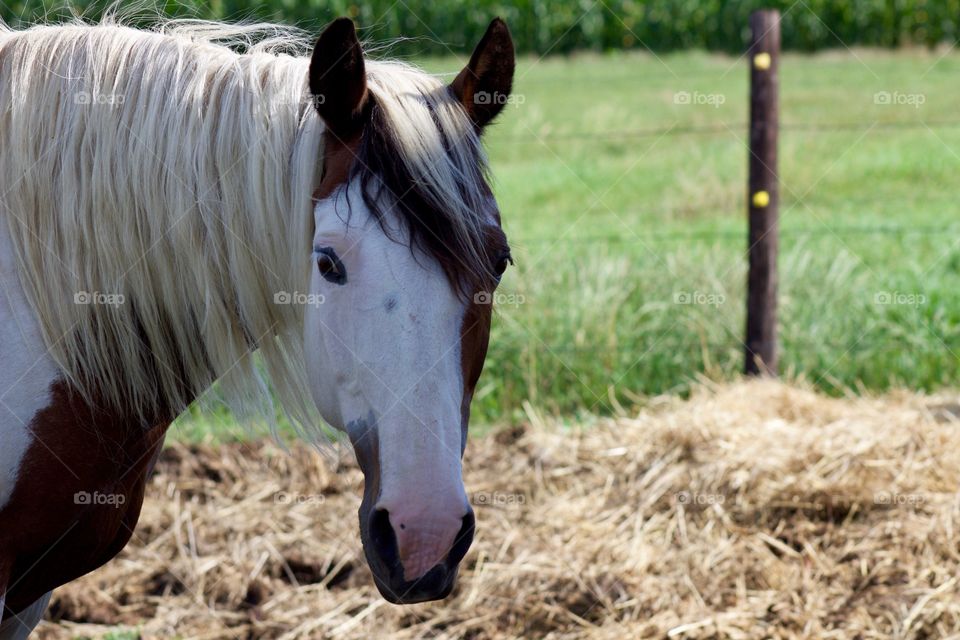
625, 208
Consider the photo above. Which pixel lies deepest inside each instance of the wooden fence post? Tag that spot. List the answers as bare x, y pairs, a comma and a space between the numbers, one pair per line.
763, 196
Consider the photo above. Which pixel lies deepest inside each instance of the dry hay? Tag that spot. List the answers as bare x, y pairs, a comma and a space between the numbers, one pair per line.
753, 510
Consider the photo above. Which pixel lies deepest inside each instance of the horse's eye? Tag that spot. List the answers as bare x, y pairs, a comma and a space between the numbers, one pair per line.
502, 265
330, 267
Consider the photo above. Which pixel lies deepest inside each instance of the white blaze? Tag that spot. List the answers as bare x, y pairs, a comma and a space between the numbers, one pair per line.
386, 346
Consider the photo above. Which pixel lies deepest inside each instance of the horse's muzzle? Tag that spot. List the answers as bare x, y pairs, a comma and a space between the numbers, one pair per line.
383, 557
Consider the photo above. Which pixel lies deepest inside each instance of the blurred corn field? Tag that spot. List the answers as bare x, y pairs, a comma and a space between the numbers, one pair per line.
557, 26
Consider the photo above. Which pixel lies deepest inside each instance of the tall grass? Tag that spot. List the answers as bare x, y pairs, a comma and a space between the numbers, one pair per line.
586, 328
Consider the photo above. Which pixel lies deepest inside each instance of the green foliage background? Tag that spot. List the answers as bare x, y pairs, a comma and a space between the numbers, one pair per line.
553, 26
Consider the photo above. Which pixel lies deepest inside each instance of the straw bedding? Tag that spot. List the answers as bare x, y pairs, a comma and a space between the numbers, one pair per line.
752, 510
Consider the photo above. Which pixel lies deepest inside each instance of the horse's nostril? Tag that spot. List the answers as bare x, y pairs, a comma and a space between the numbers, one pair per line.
463, 540
384, 540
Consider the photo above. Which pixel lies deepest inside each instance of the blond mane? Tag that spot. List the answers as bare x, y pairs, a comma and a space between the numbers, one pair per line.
158, 189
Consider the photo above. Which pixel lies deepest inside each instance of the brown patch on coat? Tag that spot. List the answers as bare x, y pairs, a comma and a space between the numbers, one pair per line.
475, 328
338, 157
51, 534
474, 339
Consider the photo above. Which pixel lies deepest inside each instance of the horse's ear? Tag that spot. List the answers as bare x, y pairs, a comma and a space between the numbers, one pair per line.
338, 79
484, 84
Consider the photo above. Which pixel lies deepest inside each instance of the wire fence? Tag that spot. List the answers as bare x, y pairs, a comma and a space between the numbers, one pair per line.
651, 237
654, 237
734, 348
735, 127
865, 318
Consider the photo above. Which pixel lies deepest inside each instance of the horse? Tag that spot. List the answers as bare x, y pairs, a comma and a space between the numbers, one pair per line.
202, 205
